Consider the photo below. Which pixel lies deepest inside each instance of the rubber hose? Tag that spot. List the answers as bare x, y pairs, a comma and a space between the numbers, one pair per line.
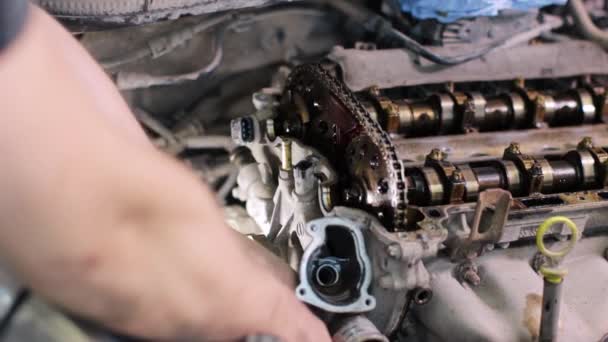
585, 24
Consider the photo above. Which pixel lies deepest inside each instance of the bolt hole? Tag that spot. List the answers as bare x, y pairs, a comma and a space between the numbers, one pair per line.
368, 302
434, 213
422, 296
302, 292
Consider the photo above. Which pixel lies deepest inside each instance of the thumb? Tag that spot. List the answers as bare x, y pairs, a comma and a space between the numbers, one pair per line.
290, 320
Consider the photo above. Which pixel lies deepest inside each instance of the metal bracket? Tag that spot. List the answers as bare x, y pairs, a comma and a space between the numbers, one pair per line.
490, 217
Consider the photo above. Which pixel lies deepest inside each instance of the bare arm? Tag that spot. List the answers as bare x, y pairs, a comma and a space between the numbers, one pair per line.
99, 222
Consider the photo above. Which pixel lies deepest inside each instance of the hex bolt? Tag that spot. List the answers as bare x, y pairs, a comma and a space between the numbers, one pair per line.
436, 154
586, 143
374, 91
513, 148
467, 272
472, 278
262, 100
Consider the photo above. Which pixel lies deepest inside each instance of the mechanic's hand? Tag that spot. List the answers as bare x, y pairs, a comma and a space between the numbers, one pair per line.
94, 219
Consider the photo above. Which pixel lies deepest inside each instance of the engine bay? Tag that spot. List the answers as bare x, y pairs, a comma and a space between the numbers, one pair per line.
423, 172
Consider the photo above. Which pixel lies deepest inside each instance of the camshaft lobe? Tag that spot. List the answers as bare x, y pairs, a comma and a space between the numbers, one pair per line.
442, 182
456, 112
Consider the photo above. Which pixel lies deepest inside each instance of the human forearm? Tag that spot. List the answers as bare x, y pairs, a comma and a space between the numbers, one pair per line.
104, 225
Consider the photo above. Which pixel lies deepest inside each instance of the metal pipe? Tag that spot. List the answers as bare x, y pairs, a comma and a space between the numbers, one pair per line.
585, 24
549, 322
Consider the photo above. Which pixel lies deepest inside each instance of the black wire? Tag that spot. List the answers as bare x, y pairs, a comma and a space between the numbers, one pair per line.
387, 33
21, 297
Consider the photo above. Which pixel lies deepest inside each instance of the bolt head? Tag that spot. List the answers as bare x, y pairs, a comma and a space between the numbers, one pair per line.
513, 148
436, 154
472, 278
585, 143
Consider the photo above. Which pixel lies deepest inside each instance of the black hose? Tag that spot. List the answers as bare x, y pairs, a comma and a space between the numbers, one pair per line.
391, 36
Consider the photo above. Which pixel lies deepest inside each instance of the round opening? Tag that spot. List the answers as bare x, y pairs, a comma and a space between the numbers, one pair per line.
423, 296
327, 275
302, 292
434, 213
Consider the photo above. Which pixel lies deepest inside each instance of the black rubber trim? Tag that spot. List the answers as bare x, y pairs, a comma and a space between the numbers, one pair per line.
12, 19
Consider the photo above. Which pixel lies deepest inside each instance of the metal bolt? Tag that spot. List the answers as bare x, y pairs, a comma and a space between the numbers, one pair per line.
270, 129
586, 143
436, 154
286, 155
468, 272
513, 148
262, 101
472, 278
374, 91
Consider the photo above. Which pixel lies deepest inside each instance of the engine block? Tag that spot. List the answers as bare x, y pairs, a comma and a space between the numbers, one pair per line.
385, 199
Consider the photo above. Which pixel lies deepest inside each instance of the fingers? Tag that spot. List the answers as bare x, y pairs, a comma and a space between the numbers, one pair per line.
266, 260
292, 321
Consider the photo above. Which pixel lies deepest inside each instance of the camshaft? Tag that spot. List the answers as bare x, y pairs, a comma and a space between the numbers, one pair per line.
461, 112
442, 182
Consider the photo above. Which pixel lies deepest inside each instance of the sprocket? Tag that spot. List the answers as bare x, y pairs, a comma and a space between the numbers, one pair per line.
333, 121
